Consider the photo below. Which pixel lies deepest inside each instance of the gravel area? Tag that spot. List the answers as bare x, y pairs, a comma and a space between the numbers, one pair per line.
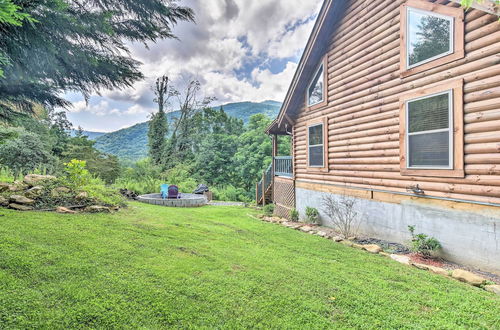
226, 203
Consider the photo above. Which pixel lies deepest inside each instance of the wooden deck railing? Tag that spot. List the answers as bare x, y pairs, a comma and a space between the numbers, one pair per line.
283, 166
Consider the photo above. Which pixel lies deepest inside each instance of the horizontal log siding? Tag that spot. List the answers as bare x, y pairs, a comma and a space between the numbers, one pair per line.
364, 87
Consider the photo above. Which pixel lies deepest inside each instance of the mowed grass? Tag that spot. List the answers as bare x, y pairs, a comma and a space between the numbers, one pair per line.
212, 267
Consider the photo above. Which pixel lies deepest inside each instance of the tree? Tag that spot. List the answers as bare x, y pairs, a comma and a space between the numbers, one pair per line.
24, 152
98, 163
158, 126
78, 45
180, 145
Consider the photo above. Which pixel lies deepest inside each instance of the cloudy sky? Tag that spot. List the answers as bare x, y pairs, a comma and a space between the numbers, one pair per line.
239, 50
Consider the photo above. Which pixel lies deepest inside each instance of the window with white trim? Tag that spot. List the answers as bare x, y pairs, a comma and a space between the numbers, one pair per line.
430, 36
315, 92
316, 146
429, 133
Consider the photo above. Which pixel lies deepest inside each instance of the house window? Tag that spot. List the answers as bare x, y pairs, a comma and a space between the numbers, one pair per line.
431, 35
316, 145
429, 133
316, 88
432, 131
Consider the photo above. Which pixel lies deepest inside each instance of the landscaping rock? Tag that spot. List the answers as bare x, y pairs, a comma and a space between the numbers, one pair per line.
372, 248
34, 179
4, 201
56, 192
34, 192
306, 229
468, 277
337, 238
82, 196
18, 199
4, 186
321, 234
98, 209
20, 207
16, 186
64, 210
401, 259
434, 269
493, 289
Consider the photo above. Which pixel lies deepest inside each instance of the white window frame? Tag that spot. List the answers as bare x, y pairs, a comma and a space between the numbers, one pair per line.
321, 67
451, 19
451, 142
322, 145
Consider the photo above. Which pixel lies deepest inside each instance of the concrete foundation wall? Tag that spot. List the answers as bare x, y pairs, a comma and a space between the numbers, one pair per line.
468, 237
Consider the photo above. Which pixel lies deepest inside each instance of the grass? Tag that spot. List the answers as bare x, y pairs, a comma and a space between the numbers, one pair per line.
154, 267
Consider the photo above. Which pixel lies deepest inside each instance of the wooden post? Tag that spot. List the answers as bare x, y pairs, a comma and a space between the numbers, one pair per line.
257, 193
264, 188
273, 167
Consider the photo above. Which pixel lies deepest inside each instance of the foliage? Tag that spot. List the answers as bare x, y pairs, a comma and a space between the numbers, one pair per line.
135, 268
143, 178
79, 46
24, 151
230, 193
312, 215
423, 244
131, 144
294, 215
268, 209
98, 164
77, 175
342, 213
158, 126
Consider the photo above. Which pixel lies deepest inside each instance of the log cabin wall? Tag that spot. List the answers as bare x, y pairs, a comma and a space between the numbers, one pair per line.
364, 88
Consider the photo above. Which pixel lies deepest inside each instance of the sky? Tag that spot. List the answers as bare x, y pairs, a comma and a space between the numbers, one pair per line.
239, 50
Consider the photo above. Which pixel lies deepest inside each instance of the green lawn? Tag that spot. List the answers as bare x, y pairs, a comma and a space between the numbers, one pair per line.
154, 267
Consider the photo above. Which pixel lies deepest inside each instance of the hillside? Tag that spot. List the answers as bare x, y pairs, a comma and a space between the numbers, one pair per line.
89, 134
130, 144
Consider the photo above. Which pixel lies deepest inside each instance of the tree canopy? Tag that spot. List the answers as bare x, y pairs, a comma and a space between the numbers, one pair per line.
76, 45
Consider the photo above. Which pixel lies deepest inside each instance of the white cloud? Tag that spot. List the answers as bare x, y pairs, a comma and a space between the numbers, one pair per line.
240, 50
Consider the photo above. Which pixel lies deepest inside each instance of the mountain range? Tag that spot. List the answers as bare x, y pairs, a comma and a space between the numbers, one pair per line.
131, 144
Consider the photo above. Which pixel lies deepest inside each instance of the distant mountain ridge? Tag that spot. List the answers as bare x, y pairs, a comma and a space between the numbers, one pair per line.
131, 144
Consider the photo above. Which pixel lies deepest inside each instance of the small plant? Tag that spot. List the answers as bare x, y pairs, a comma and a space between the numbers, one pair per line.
76, 173
342, 213
312, 215
268, 210
294, 215
422, 243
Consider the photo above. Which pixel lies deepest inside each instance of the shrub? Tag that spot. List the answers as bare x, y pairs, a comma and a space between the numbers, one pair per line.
342, 213
294, 215
76, 173
230, 193
268, 209
422, 243
312, 215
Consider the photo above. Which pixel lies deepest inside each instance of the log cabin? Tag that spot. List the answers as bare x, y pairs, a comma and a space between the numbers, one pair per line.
396, 104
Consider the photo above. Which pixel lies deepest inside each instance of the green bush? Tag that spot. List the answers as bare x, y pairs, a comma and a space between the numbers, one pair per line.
294, 215
230, 193
312, 215
268, 209
422, 243
76, 174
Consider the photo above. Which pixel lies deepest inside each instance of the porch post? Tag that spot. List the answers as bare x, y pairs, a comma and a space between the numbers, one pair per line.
273, 168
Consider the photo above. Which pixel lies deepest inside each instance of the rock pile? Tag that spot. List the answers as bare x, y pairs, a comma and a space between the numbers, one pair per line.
33, 191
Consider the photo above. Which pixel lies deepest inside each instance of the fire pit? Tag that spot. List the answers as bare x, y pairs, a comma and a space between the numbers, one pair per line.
186, 200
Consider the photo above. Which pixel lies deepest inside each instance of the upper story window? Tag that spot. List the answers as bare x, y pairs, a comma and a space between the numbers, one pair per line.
431, 35
432, 131
316, 89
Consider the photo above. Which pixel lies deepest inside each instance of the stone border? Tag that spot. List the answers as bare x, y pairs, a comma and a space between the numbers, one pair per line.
458, 274
186, 200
